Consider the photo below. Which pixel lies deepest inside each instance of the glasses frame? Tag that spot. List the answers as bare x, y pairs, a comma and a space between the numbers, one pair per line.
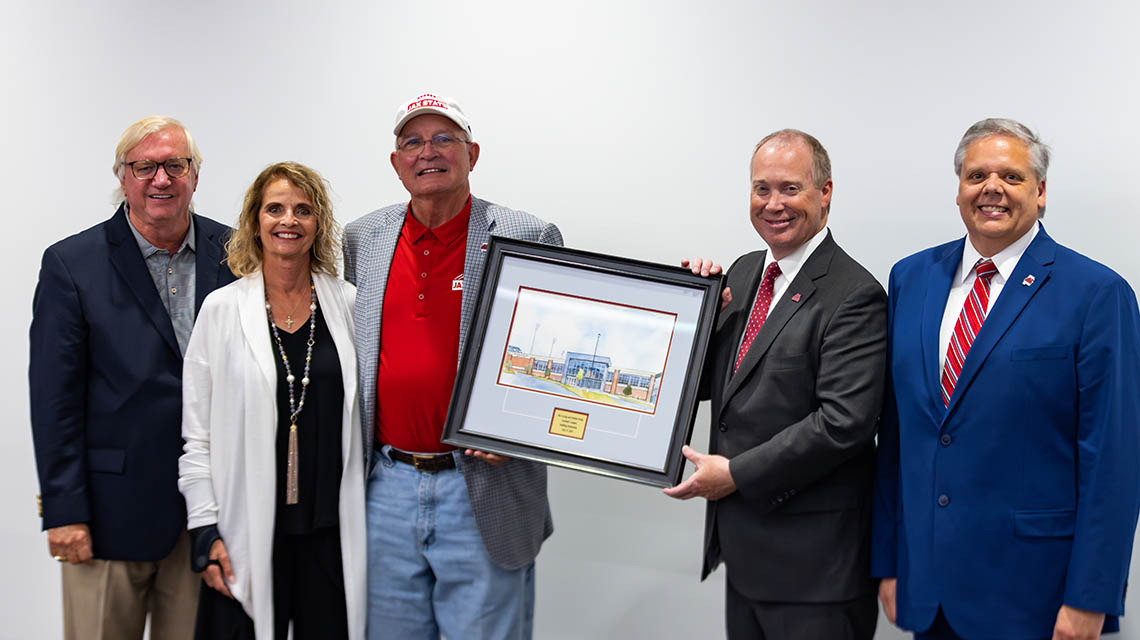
400, 146
157, 165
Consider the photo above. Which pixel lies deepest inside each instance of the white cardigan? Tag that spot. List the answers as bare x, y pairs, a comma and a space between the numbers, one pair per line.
229, 421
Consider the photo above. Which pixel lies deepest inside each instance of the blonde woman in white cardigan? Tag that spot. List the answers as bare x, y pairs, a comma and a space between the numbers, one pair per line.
273, 469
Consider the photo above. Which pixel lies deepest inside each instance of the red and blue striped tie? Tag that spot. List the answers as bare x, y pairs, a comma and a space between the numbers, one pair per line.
967, 327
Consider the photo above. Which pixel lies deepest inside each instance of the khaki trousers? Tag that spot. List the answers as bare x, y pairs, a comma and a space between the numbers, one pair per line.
110, 599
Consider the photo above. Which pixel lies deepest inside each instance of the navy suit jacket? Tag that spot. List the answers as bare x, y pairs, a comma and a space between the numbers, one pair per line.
105, 376
1023, 494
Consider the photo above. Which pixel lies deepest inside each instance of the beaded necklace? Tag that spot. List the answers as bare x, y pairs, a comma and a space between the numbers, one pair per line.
295, 410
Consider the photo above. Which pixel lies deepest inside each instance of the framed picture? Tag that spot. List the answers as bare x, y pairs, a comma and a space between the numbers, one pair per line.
584, 361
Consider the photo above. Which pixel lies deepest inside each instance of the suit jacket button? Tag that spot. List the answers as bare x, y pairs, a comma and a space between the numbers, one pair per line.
945, 439
723, 427
943, 500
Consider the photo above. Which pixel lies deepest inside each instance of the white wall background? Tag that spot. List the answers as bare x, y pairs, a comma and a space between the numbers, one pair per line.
628, 123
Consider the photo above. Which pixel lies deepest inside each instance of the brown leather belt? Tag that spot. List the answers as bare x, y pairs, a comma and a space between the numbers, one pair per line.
422, 462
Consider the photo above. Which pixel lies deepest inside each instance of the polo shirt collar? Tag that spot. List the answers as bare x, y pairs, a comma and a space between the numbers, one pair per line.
447, 232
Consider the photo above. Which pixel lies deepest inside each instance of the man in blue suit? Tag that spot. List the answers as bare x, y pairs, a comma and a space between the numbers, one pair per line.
112, 314
1008, 479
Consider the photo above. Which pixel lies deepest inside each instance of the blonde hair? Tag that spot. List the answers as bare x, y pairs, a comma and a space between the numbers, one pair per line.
135, 133
243, 249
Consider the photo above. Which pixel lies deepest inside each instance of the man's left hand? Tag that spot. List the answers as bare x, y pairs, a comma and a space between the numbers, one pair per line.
711, 480
70, 543
1077, 624
492, 459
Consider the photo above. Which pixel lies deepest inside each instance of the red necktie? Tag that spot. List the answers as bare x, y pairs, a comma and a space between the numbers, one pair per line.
967, 327
759, 311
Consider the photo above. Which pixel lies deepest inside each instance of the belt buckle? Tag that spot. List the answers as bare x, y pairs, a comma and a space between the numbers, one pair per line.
423, 463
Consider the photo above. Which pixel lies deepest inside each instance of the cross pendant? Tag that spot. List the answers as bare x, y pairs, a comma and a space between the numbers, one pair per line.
289, 322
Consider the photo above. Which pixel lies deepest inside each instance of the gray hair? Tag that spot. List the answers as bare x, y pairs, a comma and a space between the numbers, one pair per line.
820, 161
135, 133
1038, 150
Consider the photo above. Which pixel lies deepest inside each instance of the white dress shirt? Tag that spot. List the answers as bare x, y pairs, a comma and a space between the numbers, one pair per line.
789, 268
1005, 260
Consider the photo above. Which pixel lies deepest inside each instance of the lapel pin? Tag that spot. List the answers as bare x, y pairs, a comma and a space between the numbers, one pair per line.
796, 298
1028, 280
483, 247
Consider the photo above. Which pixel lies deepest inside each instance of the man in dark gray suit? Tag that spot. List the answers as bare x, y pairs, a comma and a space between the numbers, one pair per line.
795, 372
452, 536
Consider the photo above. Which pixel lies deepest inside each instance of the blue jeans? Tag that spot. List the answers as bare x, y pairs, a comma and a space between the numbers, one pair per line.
428, 571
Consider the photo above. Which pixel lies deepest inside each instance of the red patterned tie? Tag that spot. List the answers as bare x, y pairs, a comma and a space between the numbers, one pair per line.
759, 311
967, 327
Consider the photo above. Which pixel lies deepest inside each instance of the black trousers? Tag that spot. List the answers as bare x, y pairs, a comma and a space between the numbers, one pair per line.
751, 620
308, 589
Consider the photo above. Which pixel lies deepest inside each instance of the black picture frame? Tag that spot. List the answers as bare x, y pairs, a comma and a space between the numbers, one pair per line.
612, 412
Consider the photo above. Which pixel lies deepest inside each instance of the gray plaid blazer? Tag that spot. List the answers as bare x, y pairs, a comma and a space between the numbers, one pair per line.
509, 501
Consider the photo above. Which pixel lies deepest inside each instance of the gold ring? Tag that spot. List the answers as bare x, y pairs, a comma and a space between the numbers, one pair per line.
58, 558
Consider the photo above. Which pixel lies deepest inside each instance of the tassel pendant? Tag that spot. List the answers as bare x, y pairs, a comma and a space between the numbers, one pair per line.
291, 468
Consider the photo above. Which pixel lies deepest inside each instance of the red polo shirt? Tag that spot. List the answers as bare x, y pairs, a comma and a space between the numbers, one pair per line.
419, 333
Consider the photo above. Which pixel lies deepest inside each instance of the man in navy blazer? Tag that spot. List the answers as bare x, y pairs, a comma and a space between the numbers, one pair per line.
112, 314
1008, 482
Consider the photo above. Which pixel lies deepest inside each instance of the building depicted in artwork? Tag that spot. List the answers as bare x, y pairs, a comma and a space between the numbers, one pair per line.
539, 366
557, 366
585, 371
640, 385
517, 361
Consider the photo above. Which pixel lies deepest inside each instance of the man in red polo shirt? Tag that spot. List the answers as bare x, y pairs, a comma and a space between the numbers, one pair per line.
452, 535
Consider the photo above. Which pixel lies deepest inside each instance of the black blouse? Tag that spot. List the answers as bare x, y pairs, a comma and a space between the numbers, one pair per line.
318, 430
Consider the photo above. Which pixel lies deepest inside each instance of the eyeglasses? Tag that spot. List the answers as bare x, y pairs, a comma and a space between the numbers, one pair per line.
439, 141
146, 169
